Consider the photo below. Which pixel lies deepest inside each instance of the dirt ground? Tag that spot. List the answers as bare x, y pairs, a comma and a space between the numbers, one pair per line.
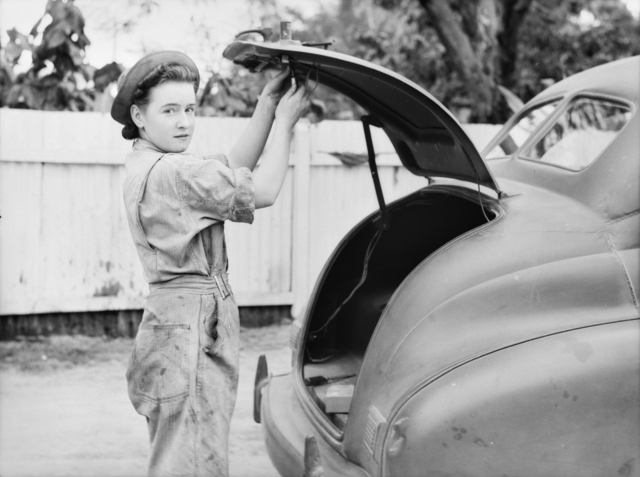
64, 409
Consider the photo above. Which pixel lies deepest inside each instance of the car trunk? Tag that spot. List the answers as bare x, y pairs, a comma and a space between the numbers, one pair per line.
428, 140
362, 275
378, 254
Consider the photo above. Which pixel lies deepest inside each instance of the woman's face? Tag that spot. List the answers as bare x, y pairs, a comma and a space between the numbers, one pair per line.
168, 119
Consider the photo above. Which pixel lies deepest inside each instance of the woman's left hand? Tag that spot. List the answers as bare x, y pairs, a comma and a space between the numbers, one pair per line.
275, 89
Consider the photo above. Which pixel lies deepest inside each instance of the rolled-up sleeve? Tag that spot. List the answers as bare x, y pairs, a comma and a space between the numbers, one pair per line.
211, 189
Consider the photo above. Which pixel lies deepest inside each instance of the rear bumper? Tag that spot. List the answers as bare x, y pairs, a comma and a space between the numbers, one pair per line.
285, 427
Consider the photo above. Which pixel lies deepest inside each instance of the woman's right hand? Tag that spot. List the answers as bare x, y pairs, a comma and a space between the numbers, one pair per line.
269, 177
292, 105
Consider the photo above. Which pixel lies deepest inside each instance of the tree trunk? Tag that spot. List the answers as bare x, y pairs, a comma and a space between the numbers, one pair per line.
513, 16
464, 57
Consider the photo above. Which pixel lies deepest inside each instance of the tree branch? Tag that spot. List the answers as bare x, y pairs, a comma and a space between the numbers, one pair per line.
513, 16
469, 12
462, 55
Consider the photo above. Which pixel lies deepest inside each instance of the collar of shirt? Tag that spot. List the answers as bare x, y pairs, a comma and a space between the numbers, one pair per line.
140, 144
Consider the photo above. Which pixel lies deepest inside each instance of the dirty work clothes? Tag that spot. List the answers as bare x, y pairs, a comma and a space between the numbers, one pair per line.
183, 381
176, 205
183, 371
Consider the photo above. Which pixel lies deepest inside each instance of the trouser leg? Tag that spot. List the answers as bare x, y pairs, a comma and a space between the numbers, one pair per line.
217, 387
187, 394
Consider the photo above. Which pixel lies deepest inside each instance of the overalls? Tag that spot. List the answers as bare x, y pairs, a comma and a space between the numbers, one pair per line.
183, 371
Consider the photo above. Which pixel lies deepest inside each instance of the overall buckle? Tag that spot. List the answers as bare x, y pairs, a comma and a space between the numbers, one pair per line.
222, 287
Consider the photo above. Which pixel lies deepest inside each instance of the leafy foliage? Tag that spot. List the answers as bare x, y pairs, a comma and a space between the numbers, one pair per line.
522, 45
224, 96
558, 41
467, 53
57, 77
512, 46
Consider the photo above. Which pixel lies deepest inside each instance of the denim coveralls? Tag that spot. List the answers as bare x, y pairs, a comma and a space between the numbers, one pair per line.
183, 371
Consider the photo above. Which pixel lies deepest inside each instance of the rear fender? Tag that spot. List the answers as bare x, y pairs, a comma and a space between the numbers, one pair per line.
565, 404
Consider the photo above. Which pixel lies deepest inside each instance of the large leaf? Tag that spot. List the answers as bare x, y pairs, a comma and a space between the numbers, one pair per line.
25, 94
75, 20
54, 35
34, 30
13, 95
63, 36
57, 9
17, 37
33, 96
75, 53
12, 52
17, 44
106, 75
6, 75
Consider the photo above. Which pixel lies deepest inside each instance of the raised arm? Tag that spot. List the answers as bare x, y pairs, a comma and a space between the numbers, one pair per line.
247, 149
269, 177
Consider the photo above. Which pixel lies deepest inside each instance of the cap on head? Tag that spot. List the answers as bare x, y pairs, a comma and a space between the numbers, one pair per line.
129, 80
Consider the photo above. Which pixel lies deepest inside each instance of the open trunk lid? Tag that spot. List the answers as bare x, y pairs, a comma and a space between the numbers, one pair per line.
428, 139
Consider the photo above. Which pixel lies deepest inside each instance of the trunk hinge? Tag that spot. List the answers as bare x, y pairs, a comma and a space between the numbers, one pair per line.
381, 222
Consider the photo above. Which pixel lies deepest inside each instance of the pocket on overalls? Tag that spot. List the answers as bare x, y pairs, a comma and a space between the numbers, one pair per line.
159, 366
211, 327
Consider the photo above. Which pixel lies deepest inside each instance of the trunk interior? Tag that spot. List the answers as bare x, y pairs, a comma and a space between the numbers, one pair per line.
366, 270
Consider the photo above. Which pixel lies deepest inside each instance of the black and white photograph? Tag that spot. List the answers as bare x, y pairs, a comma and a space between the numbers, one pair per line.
319, 238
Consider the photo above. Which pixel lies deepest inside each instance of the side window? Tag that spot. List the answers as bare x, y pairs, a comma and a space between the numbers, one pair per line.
521, 130
580, 133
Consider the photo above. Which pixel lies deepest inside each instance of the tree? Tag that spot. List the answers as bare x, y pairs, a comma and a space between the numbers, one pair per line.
470, 41
466, 52
558, 41
58, 74
491, 43
368, 31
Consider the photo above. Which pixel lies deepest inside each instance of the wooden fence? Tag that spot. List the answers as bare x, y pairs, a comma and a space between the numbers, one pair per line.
64, 240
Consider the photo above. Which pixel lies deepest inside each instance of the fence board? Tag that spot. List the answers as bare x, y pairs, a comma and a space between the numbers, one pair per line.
65, 245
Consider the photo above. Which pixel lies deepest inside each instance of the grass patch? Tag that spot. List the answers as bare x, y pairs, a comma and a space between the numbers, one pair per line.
50, 353
60, 352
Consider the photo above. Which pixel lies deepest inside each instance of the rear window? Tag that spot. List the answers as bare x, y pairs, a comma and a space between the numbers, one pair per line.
521, 130
578, 136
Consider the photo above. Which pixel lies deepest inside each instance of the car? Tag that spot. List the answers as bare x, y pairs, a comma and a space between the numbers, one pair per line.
488, 323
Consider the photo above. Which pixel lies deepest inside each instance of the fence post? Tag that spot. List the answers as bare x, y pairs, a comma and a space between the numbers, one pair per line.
300, 241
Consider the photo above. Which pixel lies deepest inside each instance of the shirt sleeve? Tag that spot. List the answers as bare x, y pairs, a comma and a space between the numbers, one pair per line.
212, 190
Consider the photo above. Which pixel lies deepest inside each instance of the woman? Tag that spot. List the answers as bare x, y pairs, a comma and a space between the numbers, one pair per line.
183, 371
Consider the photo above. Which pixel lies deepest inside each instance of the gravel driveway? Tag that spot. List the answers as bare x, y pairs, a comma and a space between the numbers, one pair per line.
75, 420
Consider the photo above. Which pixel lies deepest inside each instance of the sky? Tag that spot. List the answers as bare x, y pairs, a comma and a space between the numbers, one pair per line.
202, 28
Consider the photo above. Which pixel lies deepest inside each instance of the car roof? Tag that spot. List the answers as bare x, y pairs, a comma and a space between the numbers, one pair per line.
618, 78
610, 185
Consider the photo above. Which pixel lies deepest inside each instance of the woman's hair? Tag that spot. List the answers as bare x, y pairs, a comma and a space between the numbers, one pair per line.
160, 74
